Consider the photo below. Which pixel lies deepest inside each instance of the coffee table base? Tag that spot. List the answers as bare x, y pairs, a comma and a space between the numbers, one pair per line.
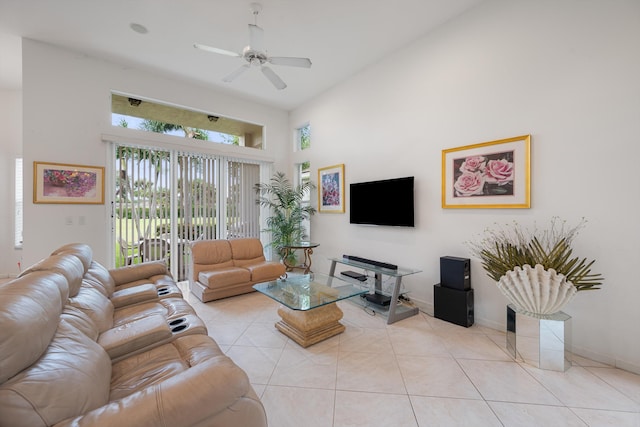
310, 326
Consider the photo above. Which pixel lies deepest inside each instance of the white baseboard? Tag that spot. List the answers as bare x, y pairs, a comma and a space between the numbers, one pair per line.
626, 365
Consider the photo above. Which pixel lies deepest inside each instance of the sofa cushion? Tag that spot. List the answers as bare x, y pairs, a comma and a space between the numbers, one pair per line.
66, 264
79, 320
79, 250
170, 308
135, 335
98, 276
30, 307
137, 272
130, 313
246, 251
211, 251
208, 255
134, 295
189, 382
95, 305
72, 377
266, 271
224, 277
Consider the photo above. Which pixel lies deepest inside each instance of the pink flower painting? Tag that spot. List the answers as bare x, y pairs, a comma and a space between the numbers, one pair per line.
486, 175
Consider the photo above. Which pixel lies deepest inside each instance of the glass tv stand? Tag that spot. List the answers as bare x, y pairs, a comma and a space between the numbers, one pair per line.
394, 311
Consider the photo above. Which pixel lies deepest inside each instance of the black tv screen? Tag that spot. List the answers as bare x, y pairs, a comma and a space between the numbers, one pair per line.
386, 202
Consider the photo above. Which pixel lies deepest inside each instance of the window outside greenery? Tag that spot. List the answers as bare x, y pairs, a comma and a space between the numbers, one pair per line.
151, 116
304, 137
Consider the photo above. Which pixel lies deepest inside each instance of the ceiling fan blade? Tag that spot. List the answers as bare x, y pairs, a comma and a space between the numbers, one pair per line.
215, 50
256, 38
231, 77
291, 62
273, 78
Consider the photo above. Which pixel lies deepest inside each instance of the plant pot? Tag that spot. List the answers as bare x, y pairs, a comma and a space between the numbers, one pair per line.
536, 291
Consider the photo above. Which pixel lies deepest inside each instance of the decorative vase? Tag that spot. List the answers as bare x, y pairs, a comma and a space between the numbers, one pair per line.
536, 291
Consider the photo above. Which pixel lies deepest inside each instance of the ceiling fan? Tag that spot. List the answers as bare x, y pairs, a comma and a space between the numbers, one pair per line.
256, 55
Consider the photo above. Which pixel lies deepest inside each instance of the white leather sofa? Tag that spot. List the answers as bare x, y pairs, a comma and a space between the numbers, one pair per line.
84, 346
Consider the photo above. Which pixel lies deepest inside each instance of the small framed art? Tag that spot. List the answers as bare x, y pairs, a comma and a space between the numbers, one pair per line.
495, 174
331, 189
65, 183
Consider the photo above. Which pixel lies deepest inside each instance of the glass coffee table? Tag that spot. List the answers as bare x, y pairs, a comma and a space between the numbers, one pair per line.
308, 307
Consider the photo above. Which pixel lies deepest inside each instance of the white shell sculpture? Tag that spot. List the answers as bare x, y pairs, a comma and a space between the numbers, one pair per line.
535, 290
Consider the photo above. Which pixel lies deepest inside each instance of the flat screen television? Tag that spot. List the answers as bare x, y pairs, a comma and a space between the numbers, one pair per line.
386, 202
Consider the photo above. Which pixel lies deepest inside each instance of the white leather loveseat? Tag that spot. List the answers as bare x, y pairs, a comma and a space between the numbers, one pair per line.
224, 268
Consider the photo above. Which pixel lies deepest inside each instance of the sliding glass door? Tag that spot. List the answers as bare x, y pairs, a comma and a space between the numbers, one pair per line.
166, 199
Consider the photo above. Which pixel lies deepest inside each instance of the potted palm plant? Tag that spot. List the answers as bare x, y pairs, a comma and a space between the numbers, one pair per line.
285, 202
536, 270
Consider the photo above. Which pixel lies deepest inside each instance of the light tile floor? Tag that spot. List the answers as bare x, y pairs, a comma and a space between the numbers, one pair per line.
420, 371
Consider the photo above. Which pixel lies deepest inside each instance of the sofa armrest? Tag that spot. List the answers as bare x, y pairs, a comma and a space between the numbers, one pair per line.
131, 273
134, 295
212, 386
135, 335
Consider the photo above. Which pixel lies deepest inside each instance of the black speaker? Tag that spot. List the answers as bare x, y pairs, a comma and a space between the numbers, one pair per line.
453, 305
455, 272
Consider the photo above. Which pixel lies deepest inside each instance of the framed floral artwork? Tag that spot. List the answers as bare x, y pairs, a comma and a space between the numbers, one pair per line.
331, 189
63, 183
495, 174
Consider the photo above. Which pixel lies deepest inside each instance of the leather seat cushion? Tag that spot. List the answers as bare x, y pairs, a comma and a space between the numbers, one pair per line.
170, 308
266, 271
224, 277
130, 313
134, 295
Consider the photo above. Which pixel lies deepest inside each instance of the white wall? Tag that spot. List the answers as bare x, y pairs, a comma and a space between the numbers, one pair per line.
10, 149
564, 72
67, 107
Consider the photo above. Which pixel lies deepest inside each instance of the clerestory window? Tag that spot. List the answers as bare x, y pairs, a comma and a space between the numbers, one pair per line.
303, 137
151, 116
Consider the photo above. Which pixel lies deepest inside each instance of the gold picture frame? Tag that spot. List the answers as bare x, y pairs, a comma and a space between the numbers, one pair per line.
331, 189
493, 175
67, 183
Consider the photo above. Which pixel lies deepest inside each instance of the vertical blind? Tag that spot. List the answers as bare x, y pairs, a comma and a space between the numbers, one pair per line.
166, 199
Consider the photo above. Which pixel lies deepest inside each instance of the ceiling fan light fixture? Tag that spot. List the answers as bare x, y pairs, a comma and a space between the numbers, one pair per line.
255, 8
256, 55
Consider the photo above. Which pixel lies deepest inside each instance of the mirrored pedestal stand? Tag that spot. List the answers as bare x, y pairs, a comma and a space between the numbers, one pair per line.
543, 342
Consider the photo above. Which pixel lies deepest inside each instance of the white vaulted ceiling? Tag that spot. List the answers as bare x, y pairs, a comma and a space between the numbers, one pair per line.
341, 37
